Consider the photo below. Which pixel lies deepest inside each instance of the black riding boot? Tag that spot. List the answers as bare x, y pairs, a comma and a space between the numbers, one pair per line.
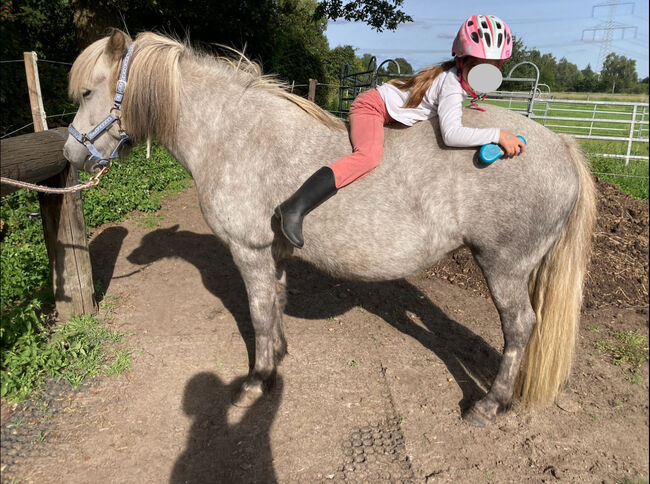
318, 188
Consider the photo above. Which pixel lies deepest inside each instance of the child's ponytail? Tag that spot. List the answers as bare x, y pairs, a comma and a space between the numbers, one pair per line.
420, 83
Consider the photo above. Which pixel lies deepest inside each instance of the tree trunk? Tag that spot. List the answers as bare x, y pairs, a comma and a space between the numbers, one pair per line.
92, 21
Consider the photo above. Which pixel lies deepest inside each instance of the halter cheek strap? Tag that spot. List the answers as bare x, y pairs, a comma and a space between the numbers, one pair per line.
88, 139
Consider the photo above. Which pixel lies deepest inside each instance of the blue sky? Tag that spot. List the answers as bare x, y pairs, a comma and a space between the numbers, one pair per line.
554, 26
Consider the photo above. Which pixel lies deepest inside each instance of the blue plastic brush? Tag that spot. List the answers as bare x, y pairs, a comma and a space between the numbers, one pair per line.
492, 152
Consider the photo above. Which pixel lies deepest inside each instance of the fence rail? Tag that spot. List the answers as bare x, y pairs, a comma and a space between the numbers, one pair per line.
613, 121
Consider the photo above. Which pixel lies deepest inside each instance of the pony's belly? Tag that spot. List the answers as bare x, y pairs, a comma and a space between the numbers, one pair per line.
375, 258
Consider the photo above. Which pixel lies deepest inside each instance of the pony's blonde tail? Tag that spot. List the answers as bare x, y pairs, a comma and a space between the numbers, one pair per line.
556, 295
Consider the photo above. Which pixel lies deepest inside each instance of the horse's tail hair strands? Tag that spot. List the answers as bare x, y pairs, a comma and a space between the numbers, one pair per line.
556, 295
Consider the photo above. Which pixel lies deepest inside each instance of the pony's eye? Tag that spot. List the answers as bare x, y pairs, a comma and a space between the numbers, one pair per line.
86, 93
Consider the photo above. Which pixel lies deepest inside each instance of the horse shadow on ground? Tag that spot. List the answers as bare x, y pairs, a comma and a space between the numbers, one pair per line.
217, 451
472, 361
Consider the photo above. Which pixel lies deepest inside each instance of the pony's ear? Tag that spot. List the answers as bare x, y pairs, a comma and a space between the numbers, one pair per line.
117, 44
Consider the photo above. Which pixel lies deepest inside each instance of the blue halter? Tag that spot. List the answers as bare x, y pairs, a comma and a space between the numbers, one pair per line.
88, 139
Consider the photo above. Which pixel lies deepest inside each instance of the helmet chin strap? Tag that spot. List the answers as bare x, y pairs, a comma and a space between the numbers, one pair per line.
468, 89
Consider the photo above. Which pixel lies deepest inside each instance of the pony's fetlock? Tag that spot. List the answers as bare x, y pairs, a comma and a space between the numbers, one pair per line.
249, 393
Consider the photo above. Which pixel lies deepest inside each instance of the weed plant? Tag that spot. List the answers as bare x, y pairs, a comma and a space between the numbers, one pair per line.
628, 349
27, 341
76, 349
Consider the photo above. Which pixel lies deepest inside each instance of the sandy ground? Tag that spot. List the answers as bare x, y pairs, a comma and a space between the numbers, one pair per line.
369, 365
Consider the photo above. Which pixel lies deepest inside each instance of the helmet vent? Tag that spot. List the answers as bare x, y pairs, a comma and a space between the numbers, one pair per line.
508, 38
470, 23
486, 36
498, 25
499, 39
474, 37
484, 24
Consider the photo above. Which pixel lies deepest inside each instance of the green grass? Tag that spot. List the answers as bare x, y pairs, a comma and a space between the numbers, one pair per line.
80, 348
602, 96
628, 349
133, 184
136, 183
631, 179
626, 480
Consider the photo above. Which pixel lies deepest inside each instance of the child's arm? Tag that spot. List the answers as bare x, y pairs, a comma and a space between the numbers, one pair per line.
450, 115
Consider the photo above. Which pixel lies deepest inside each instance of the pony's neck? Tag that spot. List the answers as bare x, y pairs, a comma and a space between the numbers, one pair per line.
230, 118
207, 113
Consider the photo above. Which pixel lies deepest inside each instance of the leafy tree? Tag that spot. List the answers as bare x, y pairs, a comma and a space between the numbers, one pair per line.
391, 68
43, 26
618, 73
519, 54
379, 14
300, 47
568, 76
547, 66
589, 81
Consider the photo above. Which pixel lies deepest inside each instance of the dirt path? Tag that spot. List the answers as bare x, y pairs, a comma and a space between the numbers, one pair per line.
371, 391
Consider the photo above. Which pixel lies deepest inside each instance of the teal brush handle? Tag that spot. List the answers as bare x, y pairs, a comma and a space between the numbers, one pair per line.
491, 152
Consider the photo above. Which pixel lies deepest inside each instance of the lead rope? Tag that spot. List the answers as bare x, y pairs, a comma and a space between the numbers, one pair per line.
94, 181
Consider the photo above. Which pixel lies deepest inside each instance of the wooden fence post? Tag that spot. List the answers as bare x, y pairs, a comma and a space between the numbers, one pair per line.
64, 226
312, 90
34, 87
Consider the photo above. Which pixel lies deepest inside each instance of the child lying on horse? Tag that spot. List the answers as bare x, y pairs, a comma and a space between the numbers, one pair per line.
482, 42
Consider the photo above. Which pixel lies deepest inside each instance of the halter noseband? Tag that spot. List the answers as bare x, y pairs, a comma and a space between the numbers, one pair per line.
88, 139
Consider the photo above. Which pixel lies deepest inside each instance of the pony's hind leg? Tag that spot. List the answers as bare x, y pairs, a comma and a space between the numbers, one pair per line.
258, 270
279, 341
510, 295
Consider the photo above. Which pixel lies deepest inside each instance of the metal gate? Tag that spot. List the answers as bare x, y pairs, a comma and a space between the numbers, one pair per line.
595, 120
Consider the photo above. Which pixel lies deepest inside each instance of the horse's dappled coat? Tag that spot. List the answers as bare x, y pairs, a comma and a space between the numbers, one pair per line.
248, 144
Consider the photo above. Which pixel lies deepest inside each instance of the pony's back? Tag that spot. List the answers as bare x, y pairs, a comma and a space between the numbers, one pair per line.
426, 199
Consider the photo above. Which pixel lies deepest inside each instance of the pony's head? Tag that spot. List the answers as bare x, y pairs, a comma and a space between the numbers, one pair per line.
150, 102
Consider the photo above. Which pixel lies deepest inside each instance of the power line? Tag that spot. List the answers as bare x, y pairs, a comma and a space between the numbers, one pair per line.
608, 28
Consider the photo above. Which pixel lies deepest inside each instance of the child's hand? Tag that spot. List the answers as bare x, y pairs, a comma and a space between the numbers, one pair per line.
510, 144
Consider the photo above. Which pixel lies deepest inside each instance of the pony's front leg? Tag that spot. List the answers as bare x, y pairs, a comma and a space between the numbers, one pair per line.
258, 270
511, 298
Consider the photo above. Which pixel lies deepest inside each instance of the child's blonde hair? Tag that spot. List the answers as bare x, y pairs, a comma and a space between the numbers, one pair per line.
420, 83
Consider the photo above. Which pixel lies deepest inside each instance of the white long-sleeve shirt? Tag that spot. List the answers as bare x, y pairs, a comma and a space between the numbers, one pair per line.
444, 98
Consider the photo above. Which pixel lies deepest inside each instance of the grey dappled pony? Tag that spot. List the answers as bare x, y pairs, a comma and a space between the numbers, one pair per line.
249, 145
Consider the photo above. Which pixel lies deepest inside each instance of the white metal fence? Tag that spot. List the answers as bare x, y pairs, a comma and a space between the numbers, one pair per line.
624, 124
616, 129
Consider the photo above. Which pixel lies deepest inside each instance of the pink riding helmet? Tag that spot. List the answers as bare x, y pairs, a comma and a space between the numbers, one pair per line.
483, 36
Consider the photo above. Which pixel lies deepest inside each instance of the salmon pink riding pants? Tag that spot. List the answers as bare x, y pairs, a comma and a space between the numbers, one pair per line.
368, 115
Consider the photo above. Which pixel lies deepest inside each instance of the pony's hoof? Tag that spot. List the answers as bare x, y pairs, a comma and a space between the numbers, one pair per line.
248, 395
474, 418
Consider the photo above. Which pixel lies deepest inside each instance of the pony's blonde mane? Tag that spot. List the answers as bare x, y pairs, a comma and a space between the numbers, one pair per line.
257, 80
151, 100
82, 69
